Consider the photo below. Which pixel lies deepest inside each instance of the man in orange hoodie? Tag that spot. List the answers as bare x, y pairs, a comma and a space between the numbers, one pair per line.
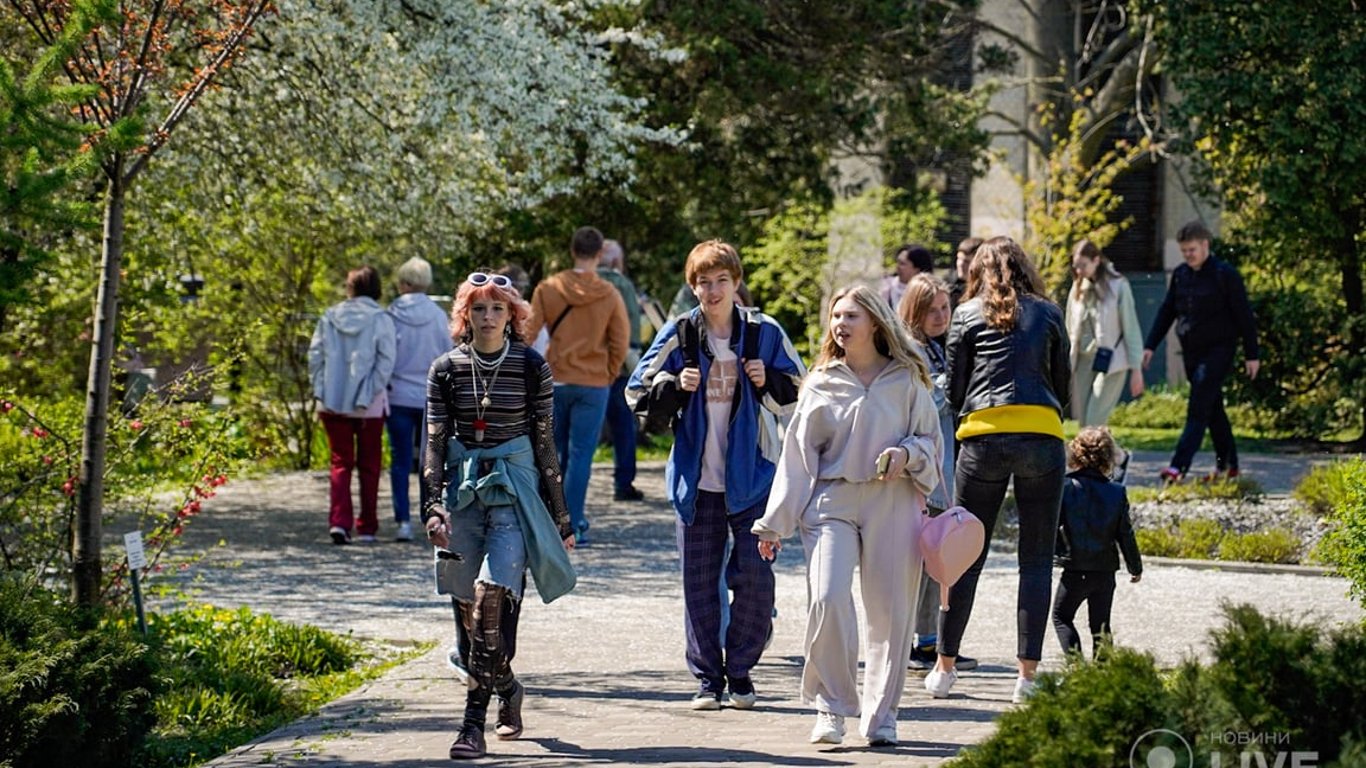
586, 321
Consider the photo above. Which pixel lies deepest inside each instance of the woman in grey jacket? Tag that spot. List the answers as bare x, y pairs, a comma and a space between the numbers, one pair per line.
350, 361
422, 335
1106, 340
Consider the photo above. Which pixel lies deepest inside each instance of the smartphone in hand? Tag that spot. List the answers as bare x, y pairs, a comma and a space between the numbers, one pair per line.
884, 462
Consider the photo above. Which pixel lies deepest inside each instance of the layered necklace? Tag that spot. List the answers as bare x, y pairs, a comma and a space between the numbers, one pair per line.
485, 375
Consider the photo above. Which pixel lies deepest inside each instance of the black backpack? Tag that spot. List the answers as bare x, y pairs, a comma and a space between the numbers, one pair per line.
659, 411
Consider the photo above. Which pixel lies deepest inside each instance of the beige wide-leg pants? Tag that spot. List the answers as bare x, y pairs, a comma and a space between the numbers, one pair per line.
873, 526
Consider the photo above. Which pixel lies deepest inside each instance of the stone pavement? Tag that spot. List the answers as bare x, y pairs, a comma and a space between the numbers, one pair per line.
604, 666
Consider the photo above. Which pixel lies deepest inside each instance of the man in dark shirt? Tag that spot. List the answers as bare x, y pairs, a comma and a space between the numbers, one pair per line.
1207, 301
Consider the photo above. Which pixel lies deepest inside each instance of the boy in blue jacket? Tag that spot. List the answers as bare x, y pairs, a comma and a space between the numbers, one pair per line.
720, 375
1093, 529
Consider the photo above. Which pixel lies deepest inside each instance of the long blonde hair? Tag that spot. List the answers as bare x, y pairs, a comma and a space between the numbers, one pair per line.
889, 335
917, 300
1007, 273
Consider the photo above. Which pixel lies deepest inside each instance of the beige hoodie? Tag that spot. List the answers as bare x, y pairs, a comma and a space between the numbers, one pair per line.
838, 431
590, 343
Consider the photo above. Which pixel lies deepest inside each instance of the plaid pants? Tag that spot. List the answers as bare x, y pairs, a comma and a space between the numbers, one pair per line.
702, 550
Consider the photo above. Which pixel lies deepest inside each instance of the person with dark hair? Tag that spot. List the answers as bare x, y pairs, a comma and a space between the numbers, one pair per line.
862, 451
495, 502
350, 361
589, 334
911, 260
621, 423
1103, 330
962, 265
720, 374
1094, 528
1208, 303
1009, 376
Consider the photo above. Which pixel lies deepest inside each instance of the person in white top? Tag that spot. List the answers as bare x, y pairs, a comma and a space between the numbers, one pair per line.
1107, 341
861, 452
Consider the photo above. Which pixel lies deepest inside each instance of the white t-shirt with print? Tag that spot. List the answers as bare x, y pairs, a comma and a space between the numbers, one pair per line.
721, 381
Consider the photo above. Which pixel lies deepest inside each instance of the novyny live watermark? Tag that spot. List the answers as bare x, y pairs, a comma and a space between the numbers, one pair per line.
1162, 748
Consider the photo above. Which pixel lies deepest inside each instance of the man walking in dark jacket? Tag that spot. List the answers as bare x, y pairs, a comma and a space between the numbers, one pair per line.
1208, 303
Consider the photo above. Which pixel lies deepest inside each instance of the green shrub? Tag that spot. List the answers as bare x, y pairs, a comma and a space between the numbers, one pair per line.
1274, 545
73, 690
1199, 538
1160, 408
235, 674
1241, 489
1344, 545
1328, 486
1269, 677
1158, 542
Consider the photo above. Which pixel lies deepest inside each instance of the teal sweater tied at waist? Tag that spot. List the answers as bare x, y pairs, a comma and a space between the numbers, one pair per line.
512, 480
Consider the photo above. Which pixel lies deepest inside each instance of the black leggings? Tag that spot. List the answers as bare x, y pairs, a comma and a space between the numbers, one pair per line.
986, 465
1097, 590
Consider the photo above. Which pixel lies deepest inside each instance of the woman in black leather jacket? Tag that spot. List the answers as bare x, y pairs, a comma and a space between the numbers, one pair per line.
1009, 375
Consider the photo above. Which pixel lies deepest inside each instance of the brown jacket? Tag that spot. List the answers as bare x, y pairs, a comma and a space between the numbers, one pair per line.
589, 344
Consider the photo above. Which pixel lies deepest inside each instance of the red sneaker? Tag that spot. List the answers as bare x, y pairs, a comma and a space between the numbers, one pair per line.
1171, 476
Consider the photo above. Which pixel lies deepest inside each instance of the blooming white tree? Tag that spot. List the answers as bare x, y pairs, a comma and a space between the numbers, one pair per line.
423, 118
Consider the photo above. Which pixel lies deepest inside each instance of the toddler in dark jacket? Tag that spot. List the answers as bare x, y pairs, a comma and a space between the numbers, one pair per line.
1093, 529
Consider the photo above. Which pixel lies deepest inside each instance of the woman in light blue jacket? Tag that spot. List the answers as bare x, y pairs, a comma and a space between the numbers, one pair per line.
423, 335
350, 361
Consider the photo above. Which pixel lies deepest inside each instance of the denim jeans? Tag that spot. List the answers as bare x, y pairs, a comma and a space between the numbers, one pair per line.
404, 424
985, 467
1206, 369
579, 411
488, 546
621, 423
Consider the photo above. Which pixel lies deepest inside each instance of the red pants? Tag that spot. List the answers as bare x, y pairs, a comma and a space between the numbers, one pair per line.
355, 443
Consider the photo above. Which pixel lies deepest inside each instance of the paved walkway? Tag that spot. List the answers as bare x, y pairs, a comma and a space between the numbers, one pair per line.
604, 666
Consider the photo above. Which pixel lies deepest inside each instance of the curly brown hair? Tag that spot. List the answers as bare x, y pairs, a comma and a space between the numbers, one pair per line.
1093, 448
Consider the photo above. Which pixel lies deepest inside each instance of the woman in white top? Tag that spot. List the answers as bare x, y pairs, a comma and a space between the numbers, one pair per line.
1101, 316
858, 457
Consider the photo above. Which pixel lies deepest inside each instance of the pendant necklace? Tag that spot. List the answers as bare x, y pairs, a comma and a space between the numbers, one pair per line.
481, 404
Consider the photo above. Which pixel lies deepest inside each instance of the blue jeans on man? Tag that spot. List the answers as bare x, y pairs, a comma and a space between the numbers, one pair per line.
579, 412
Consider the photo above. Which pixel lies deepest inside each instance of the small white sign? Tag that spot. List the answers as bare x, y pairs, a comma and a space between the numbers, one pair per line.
133, 543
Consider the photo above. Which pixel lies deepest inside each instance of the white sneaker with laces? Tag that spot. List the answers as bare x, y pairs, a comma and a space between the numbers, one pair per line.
1023, 690
938, 683
884, 736
829, 728
405, 531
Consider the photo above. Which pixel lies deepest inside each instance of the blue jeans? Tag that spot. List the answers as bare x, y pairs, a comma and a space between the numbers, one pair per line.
986, 465
404, 424
488, 546
579, 411
622, 424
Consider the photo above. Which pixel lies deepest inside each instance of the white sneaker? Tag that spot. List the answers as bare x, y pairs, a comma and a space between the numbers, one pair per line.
884, 736
405, 531
938, 683
829, 729
1023, 690
367, 538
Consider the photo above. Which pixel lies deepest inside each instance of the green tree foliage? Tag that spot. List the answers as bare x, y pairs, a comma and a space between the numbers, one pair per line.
789, 269
1272, 101
1072, 198
43, 152
768, 93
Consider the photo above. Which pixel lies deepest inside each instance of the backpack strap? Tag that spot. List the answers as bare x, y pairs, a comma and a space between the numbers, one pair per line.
531, 369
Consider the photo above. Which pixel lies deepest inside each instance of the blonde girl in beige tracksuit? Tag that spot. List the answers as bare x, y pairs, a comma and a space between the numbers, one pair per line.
866, 401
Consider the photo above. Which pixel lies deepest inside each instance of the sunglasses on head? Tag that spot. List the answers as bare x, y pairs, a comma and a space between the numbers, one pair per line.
480, 278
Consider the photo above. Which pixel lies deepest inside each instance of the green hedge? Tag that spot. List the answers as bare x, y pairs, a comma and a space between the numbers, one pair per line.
73, 692
1297, 687
1344, 545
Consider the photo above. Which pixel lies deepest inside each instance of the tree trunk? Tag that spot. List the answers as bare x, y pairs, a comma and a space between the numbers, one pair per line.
87, 565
